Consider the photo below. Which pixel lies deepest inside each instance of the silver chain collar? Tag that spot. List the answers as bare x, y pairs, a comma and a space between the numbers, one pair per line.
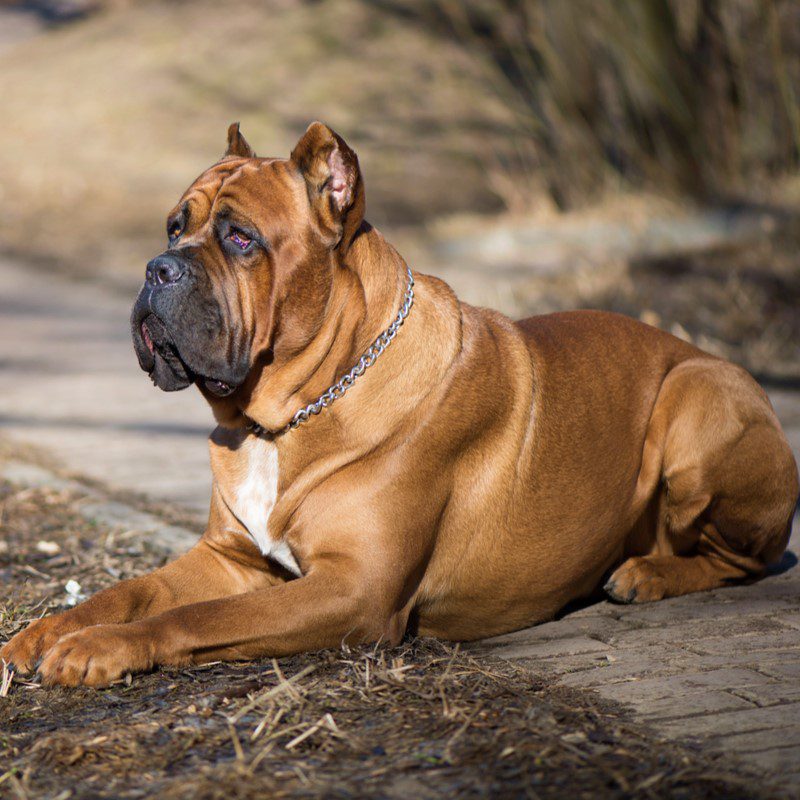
344, 383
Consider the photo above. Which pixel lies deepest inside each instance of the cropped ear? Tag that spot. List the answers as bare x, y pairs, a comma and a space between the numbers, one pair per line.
333, 182
237, 144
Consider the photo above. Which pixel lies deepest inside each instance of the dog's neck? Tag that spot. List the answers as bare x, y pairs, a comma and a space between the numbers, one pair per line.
366, 293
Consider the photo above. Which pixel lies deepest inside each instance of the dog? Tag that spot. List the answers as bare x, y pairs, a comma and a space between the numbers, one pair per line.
389, 459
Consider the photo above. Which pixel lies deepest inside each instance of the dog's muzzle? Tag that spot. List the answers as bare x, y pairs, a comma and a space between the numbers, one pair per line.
179, 331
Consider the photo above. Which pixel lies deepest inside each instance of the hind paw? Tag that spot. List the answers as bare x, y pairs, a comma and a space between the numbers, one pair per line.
636, 581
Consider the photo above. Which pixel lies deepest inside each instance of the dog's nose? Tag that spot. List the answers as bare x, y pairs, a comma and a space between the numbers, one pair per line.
164, 269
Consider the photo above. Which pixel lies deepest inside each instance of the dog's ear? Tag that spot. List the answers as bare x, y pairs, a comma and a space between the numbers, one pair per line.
333, 181
237, 144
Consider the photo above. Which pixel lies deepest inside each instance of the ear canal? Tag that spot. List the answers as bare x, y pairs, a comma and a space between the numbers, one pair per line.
343, 165
333, 180
237, 144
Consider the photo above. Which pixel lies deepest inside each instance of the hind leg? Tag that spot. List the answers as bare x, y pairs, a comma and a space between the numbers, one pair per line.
729, 486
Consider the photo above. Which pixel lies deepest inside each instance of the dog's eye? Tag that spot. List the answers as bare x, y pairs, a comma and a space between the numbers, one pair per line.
174, 231
241, 240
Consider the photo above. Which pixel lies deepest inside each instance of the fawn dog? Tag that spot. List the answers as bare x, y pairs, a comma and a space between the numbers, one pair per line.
388, 458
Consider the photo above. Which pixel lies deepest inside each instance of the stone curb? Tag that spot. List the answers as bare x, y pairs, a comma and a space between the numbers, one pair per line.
169, 539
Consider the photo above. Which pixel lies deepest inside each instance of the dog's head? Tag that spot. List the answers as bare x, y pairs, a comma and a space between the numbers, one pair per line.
253, 245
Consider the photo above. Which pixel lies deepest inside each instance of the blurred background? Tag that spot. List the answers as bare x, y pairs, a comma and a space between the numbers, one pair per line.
635, 155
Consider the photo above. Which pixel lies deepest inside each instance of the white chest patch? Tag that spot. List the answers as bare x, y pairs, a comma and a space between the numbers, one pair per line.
254, 498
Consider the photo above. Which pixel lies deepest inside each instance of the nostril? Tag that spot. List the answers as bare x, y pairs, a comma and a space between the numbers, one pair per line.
162, 271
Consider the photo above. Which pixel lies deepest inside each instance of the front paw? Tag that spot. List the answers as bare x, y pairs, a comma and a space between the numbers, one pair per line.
97, 656
25, 649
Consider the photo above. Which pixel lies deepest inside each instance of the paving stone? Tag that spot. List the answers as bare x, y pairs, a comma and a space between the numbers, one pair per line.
750, 719
705, 703
651, 689
602, 609
686, 634
770, 694
593, 670
627, 665
547, 649
786, 641
778, 587
785, 668
601, 628
754, 742
693, 608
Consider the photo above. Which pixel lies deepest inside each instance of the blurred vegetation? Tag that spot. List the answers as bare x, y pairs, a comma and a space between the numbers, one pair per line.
454, 106
697, 96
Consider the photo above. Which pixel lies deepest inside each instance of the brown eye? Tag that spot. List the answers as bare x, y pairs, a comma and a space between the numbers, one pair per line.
239, 239
174, 230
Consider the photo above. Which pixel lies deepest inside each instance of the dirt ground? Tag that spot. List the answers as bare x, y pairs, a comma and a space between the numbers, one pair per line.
423, 719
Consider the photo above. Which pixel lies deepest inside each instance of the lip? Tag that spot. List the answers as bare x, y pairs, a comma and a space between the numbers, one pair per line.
151, 337
145, 354
218, 388
147, 338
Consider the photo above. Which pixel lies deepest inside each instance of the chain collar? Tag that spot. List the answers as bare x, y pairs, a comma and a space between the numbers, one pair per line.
344, 383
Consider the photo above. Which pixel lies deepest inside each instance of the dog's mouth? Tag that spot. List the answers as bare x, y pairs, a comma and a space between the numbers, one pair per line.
163, 362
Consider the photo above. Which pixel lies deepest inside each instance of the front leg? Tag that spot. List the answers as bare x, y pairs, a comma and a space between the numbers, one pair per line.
333, 603
222, 563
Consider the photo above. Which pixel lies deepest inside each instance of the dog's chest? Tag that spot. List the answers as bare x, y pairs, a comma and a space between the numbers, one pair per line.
253, 496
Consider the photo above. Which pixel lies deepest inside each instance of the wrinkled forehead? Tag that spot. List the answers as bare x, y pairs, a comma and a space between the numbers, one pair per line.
260, 188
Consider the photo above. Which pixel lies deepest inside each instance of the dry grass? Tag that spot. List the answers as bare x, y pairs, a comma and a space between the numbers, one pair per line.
425, 719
